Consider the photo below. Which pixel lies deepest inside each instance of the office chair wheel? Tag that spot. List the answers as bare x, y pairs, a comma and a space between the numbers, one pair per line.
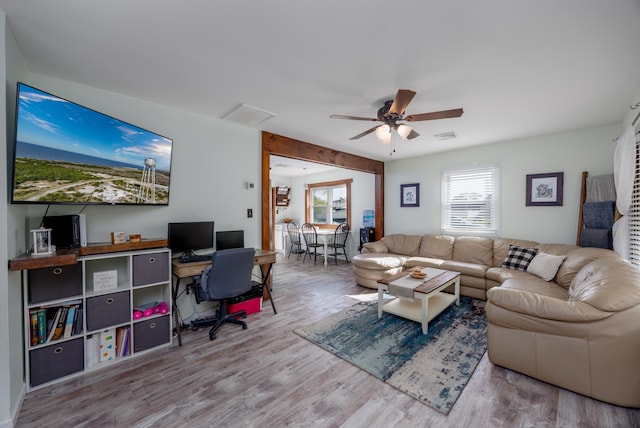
212, 335
244, 327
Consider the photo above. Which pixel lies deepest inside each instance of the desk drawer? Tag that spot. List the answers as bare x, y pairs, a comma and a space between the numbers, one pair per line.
108, 310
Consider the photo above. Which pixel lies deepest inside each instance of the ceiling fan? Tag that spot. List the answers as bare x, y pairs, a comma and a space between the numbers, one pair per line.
393, 112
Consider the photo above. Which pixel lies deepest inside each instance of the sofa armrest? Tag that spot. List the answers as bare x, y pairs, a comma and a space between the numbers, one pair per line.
545, 307
375, 247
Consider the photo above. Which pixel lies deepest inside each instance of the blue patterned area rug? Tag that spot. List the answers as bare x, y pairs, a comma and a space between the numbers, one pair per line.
433, 368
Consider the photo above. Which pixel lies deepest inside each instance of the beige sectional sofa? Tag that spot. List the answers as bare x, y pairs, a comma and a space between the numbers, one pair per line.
570, 317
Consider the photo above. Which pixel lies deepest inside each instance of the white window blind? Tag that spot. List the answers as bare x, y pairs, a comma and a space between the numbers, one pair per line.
470, 200
634, 215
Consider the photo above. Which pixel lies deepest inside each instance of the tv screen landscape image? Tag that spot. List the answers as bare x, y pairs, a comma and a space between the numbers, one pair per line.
65, 153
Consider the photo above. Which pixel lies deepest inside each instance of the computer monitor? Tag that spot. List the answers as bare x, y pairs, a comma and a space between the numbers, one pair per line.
190, 236
226, 239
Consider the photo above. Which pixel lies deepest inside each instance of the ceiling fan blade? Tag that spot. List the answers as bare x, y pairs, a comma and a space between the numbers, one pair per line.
340, 116
413, 134
367, 132
444, 114
401, 101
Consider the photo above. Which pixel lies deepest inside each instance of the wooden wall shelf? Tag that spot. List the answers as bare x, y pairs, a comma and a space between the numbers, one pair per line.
69, 256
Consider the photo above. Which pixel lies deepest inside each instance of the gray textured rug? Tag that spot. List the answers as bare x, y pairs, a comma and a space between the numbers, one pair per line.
433, 368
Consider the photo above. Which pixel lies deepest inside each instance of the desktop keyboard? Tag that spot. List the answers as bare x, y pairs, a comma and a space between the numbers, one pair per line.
191, 258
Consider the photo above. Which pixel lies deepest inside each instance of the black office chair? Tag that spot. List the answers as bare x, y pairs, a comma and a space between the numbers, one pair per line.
228, 276
339, 241
294, 239
311, 243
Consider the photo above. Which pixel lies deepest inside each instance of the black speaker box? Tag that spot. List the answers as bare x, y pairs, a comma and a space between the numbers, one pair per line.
65, 230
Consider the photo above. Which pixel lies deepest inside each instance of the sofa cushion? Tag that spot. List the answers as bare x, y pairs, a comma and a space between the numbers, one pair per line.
437, 246
539, 312
501, 248
375, 247
557, 249
470, 269
500, 274
545, 265
378, 261
608, 284
407, 245
473, 249
518, 258
533, 284
576, 260
423, 261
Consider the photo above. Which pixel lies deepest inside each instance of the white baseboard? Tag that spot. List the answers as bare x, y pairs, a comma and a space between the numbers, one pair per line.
10, 423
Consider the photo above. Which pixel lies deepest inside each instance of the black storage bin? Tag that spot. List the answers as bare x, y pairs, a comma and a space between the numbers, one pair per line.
52, 283
150, 333
55, 361
150, 268
256, 291
108, 310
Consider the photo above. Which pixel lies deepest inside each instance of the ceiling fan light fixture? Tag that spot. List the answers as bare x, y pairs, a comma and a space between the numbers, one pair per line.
383, 132
404, 131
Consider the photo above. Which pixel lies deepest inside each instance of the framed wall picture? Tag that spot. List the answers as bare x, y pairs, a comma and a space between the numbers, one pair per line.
410, 195
544, 190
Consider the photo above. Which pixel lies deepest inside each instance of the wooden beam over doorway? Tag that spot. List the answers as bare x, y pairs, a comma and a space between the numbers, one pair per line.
277, 145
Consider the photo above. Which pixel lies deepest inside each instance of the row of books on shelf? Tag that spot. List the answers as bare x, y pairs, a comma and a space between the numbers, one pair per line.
50, 323
108, 344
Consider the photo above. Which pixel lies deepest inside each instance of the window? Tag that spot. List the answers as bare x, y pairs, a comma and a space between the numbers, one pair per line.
470, 200
328, 203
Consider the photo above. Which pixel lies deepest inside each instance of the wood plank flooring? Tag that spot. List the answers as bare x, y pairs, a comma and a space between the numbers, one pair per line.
270, 377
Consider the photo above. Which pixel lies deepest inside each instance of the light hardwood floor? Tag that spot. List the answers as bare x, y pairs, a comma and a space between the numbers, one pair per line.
270, 377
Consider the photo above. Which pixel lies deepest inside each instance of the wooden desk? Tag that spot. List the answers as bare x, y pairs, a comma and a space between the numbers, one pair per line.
263, 258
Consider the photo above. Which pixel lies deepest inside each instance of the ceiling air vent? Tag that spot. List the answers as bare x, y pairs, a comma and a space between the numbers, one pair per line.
446, 136
247, 115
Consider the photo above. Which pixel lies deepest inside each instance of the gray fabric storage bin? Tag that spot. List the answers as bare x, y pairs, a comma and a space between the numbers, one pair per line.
55, 361
53, 283
150, 333
150, 268
108, 310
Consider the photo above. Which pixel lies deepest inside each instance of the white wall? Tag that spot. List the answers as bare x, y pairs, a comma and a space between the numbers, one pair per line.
362, 198
12, 386
570, 152
211, 162
283, 212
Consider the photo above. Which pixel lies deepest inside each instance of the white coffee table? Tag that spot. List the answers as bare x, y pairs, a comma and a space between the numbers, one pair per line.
425, 301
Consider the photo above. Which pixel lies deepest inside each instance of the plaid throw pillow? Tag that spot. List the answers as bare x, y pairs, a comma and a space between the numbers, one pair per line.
519, 258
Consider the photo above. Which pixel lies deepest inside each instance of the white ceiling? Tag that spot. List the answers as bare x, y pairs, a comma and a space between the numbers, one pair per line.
288, 168
518, 68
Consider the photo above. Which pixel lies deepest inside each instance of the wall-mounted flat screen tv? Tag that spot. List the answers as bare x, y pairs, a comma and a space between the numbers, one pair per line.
65, 153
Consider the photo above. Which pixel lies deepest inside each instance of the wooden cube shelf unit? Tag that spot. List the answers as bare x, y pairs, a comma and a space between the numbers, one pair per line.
127, 275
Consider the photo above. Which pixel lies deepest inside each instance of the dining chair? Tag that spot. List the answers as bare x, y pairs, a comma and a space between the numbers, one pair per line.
310, 236
339, 241
294, 238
